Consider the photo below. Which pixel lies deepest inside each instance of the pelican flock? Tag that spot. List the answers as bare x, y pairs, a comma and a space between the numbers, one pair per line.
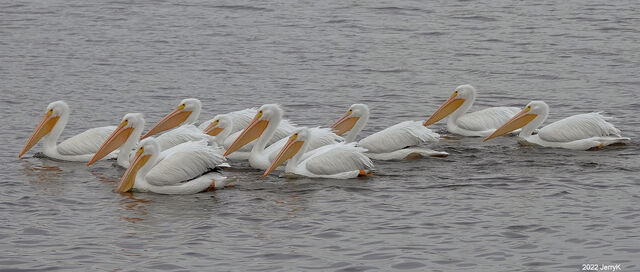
177, 157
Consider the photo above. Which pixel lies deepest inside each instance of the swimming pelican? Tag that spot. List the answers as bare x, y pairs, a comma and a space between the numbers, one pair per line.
77, 148
479, 124
577, 132
186, 113
397, 142
223, 125
124, 137
180, 123
237, 121
337, 161
263, 128
178, 170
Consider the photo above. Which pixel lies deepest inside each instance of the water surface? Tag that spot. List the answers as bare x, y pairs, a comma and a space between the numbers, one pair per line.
493, 206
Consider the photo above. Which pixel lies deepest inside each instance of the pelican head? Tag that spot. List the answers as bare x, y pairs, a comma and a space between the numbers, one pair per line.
350, 118
187, 112
220, 123
293, 146
524, 117
147, 149
461, 94
266, 114
129, 129
52, 115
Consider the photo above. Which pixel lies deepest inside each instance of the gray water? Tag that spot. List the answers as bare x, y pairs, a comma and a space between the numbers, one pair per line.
493, 206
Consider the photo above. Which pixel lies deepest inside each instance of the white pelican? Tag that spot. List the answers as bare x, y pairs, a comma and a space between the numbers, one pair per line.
237, 121
577, 132
396, 142
263, 127
186, 113
180, 123
178, 170
479, 124
223, 125
337, 161
124, 137
77, 148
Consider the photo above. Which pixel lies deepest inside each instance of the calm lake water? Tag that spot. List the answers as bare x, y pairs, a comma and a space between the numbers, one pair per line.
493, 206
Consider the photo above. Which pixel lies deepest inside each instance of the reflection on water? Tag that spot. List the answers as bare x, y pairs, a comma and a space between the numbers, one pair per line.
44, 172
133, 205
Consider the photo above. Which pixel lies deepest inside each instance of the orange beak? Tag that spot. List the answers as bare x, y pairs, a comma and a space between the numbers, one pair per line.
213, 129
115, 140
252, 132
45, 126
449, 106
129, 177
519, 120
344, 124
173, 119
288, 151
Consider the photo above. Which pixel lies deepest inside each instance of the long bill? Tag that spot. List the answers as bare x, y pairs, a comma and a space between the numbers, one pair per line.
173, 119
289, 150
45, 126
517, 121
129, 177
252, 132
448, 107
344, 124
115, 140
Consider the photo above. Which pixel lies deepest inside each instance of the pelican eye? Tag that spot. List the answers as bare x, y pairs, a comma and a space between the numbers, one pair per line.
125, 122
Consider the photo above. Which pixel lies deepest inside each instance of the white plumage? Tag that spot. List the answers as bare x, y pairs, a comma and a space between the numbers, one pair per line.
267, 123
484, 121
80, 147
337, 160
282, 131
238, 119
126, 135
341, 160
398, 136
578, 132
182, 134
179, 170
184, 161
578, 127
479, 124
86, 142
396, 142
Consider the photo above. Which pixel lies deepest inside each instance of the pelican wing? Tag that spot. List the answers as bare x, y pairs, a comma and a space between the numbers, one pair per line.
578, 127
180, 135
87, 142
487, 119
337, 158
184, 162
240, 119
408, 133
